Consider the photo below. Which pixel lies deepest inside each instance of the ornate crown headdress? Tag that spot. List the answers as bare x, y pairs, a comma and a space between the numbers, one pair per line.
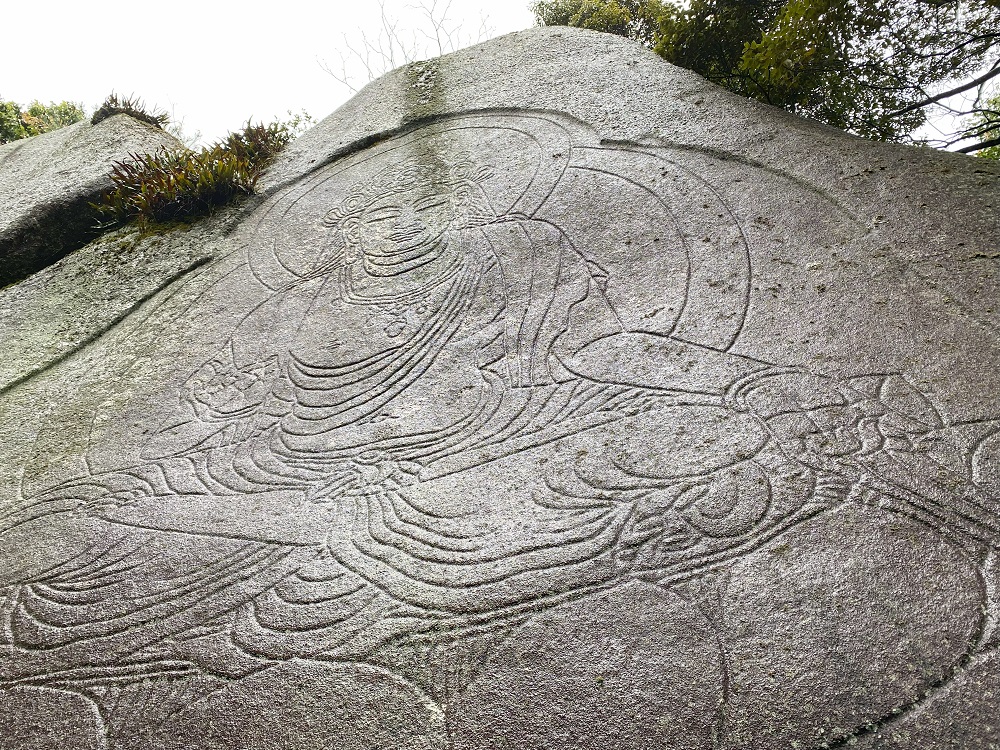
398, 178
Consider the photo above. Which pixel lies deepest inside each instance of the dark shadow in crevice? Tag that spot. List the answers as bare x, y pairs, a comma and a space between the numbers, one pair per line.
46, 234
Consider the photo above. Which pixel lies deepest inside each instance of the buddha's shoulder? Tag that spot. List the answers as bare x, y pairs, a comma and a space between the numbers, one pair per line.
534, 231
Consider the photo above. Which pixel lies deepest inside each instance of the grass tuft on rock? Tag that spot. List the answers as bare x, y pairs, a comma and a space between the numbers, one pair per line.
129, 105
174, 186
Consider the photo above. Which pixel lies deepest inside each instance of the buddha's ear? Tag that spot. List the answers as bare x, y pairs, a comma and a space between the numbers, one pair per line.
461, 203
351, 230
461, 198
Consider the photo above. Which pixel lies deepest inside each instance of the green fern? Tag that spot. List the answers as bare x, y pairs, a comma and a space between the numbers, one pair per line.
131, 106
170, 186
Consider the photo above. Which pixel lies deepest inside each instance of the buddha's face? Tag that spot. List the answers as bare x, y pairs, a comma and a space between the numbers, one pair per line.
402, 231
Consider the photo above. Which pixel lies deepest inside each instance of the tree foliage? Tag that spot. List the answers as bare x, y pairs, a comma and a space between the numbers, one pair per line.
18, 122
874, 67
636, 19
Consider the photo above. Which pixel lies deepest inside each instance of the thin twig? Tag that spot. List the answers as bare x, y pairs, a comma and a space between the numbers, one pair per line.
390, 48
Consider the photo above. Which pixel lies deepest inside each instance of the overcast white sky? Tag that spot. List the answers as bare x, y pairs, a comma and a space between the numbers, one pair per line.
215, 63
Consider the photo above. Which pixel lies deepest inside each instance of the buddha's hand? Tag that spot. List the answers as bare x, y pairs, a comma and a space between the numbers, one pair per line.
100, 494
368, 473
818, 419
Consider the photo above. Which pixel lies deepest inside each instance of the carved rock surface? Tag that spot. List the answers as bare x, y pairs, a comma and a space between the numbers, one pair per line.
47, 183
548, 397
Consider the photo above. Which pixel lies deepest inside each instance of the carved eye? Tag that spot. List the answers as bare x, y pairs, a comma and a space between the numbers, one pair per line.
430, 204
382, 215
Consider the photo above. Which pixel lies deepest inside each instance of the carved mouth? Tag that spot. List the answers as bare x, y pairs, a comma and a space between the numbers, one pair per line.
403, 254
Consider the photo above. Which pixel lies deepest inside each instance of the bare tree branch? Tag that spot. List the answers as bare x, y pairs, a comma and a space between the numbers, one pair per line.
394, 44
978, 146
993, 72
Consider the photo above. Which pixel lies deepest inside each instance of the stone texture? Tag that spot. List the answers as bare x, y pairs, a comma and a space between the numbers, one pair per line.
47, 183
65, 306
548, 397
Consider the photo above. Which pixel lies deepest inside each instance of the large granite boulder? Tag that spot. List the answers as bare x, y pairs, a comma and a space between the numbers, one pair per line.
549, 397
48, 182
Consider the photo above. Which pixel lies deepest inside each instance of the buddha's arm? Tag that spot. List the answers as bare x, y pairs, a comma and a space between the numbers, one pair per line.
658, 361
557, 319
230, 388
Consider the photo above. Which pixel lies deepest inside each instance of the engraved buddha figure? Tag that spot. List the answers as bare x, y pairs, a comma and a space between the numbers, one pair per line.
428, 425
416, 262
430, 378
423, 373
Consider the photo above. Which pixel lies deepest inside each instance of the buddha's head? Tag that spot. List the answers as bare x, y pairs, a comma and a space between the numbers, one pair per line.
399, 219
